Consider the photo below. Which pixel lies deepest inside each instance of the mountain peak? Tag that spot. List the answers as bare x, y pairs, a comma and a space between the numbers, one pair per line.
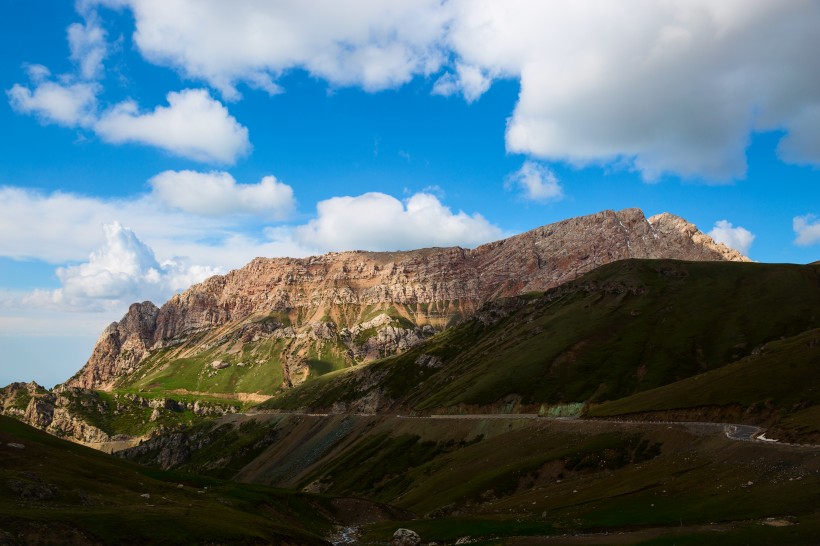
316, 306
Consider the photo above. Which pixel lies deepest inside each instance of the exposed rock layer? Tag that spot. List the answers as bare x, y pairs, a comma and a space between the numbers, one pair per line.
438, 282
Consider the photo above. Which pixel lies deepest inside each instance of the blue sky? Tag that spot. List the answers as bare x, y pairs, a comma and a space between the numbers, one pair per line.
148, 144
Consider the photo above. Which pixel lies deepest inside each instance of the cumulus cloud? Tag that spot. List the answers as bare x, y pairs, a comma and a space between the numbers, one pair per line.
376, 221
536, 182
53, 101
807, 229
218, 194
193, 125
672, 87
665, 87
661, 87
123, 270
61, 227
738, 237
369, 43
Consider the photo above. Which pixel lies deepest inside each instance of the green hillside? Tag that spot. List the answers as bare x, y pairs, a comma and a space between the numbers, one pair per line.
501, 479
783, 378
255, 352
626, 327
53, 491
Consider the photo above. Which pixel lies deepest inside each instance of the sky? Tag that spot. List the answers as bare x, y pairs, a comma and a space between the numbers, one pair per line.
149, 144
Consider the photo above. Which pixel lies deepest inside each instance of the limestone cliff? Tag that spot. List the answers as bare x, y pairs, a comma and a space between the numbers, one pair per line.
370, 304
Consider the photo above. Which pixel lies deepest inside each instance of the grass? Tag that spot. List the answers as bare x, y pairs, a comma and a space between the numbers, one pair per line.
51, 486
785, 376
257, 362
378, 466
494, 479
214, 450
544, 478
257, 369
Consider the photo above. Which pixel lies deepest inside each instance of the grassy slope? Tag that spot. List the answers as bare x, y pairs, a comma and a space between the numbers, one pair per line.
786, 375
626, 327
535, 480
261, 370
256, 366
52, 486
535, 477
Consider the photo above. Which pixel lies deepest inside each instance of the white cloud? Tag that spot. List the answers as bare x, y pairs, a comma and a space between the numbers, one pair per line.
536, 181
738, 237
369, 43
88, 46
63, 227
672, 87
123, 270
218, 194
193, 125
468, 80
376, 221
663, 87
807, 229
60, 102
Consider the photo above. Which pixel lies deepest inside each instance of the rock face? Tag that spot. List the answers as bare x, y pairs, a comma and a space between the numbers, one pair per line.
121, 346
430, 287
49, 411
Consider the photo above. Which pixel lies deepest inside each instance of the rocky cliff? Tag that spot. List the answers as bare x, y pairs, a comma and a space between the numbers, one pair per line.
99, 420
342, 308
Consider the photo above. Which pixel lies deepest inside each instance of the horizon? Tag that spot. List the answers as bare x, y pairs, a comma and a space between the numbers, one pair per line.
143, 154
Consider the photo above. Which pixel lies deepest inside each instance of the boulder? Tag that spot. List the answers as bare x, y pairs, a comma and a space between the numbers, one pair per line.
405, 537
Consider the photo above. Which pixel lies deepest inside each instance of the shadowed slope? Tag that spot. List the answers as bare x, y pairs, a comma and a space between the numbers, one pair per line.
52, 491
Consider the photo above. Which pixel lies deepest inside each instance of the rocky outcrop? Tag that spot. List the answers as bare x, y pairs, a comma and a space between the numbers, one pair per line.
15, 398
53, 412
120, 348
436, 285
77, 414
405, 537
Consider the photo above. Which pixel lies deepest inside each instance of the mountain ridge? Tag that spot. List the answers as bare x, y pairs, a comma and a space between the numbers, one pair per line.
624, 328
322, 300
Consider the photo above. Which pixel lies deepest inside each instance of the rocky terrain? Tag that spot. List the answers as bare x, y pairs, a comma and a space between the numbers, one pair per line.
107, 423
278, 321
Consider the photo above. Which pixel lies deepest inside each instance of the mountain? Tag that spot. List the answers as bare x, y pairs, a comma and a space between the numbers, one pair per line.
387, 390
279, 321
624, 328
